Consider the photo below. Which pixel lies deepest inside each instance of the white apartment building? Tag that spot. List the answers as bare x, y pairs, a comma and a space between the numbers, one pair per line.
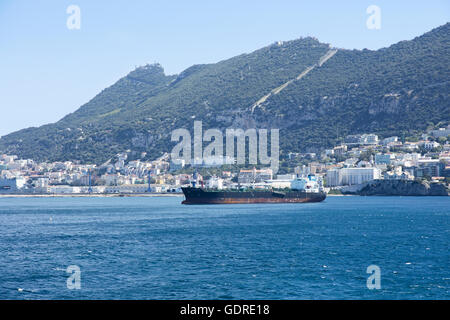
368, 139
429, 145
64, 189
351, 176
127, 188
441, 132
12, 185
386, 141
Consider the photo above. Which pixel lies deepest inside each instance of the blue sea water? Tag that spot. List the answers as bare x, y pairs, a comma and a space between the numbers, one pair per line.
156, 248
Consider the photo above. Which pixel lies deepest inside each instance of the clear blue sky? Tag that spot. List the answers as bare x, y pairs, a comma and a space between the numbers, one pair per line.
48, 71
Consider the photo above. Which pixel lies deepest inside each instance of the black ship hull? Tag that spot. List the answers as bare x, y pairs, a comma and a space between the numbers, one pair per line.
202, 196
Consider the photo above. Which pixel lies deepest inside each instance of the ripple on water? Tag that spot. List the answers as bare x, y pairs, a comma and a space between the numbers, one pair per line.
155, 248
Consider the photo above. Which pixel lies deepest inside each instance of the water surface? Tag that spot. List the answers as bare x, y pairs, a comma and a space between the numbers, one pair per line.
156, 248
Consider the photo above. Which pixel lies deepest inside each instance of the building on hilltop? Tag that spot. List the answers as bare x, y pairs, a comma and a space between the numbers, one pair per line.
441, 132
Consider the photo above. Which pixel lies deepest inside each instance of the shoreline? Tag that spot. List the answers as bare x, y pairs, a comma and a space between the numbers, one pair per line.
154, 195
94, 195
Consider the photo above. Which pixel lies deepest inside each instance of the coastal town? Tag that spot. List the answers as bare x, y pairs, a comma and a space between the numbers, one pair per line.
345, 168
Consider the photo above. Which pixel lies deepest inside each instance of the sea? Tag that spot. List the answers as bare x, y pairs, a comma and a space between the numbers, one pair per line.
156, 248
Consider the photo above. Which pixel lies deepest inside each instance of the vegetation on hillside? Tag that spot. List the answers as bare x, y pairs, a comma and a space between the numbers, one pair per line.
398, 90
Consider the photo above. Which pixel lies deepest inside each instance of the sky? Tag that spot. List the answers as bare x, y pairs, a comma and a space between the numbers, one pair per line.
48, 70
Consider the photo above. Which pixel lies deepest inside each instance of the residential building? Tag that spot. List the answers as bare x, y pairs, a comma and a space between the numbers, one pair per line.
383, 158
429, 168
430, 145
389, 140
351, 176
16, 184
441, 132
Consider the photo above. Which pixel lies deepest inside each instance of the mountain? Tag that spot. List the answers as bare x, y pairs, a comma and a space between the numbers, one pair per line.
314, 93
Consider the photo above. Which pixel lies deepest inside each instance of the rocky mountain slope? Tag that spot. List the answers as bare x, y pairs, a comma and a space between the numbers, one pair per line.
312, 92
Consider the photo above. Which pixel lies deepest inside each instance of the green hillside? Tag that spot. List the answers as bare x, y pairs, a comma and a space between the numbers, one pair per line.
312, 92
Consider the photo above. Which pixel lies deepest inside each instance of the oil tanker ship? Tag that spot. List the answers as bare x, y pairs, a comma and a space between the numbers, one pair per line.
304, 189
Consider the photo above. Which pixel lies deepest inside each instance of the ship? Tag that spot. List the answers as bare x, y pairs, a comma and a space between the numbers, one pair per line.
303, 189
